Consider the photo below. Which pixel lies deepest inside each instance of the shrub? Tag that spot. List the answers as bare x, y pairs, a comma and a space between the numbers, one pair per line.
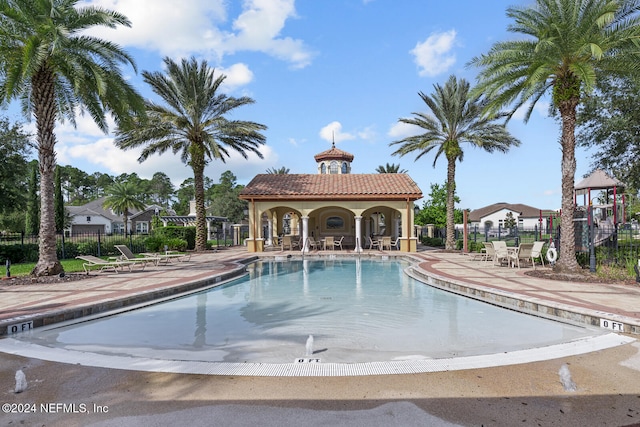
70, 250
155, 243
176, 244
187, 234
433, 241
19, 253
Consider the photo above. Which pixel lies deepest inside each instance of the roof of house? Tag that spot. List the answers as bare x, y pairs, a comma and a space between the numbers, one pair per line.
525, 211
385, 186
95, 207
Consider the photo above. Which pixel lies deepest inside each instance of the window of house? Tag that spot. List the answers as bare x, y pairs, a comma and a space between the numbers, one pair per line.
142, 227
344, 167
323, 168
335, 223
333, 167
88, 219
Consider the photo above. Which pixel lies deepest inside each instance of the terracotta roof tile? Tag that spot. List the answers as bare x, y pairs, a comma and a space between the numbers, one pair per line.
333, 154
385, 186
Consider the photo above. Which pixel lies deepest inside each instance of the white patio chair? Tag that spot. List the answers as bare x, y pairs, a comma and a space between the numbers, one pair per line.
536, 252
384, 242
522, 253
396, 243
328, 242
338, 243
501, 254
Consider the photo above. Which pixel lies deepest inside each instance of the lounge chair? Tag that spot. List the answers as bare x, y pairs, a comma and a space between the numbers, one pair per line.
522, 253
127, 255
338, 243
91, 261
485, 253
536, 252
168, 256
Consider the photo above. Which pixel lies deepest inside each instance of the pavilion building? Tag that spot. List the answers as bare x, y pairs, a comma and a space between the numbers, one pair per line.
332, 202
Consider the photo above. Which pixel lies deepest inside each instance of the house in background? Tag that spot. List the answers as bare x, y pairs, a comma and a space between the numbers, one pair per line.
215, 224
93, 218
494, 216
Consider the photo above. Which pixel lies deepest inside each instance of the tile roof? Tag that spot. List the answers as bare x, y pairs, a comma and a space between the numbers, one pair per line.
383, 186
526, 210
334, 154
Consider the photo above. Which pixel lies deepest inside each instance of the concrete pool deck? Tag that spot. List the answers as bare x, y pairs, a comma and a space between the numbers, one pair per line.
608, 380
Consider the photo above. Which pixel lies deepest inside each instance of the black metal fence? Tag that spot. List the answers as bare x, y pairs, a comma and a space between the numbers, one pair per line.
20, 247
617, 244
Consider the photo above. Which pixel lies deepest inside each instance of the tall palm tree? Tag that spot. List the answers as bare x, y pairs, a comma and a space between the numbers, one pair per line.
193, 123
50, 64
455, 118
121, 198
390, 168
567, 43
278, 171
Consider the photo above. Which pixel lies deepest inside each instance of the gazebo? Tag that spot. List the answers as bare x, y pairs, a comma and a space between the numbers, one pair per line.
599, 180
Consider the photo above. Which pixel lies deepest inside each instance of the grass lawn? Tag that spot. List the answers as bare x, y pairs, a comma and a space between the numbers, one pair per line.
69, 265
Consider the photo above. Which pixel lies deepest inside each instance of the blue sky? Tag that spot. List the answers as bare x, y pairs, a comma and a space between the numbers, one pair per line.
348, 68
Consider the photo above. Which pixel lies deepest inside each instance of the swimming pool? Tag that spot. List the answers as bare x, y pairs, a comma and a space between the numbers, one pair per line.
357, 311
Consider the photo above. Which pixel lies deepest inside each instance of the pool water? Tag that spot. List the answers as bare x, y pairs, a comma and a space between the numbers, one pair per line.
356, 311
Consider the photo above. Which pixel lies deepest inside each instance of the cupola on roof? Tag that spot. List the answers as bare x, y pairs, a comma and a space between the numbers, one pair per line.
333, 154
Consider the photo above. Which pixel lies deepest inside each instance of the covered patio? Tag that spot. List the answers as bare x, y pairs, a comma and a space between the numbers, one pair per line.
310, 208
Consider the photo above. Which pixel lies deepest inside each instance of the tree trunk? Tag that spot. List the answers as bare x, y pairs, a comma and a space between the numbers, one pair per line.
450, 243
125, 217
43, 98
567, 254
197, 164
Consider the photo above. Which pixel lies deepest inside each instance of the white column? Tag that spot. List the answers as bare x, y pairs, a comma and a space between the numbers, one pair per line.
396, 225
367, 227
270, 232
305, 233
358, 234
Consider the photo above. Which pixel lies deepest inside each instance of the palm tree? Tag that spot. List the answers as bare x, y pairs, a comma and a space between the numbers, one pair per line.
456, 118
121, 198
278, 171
390, 168
193, 123
53, 67
568, 42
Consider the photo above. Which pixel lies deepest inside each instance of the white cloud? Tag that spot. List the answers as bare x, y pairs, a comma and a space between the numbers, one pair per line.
333, 132
258, 28
238, 75
402, 130
367, 133
103, 155
197, 27
433, 56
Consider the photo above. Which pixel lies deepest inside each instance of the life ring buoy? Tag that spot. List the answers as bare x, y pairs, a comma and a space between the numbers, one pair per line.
552, 255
